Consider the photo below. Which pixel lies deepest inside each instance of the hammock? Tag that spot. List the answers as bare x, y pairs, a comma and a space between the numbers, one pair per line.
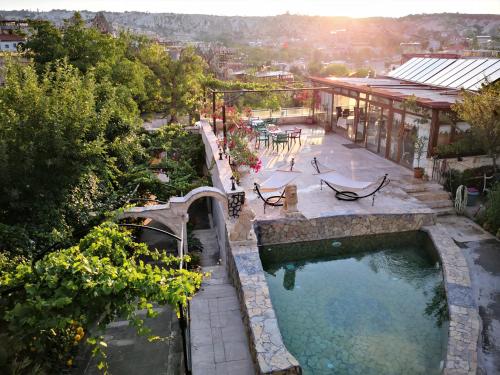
276, 182
345, 188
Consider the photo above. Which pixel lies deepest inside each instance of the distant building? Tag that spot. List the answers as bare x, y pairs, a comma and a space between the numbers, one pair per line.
11, 42
410, 47
275, 75
442, 55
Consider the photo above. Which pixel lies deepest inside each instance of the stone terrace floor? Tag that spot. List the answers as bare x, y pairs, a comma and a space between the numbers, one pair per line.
355, 163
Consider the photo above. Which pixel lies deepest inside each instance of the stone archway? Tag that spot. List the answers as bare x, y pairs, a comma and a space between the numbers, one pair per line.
174, 214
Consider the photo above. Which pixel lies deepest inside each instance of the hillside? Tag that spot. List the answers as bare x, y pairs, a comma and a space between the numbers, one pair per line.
285, 27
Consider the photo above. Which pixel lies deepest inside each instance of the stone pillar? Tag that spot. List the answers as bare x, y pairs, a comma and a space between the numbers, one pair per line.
291, 200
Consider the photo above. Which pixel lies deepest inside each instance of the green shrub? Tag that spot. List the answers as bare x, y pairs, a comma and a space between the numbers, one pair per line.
492, 213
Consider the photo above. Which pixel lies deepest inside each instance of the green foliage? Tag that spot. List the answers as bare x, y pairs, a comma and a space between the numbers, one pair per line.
466, 146
420, 146
54, 301
337, 70
482, 111
492, 213
72, 149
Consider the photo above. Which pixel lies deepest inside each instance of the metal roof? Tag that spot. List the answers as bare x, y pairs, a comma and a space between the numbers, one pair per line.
469, 74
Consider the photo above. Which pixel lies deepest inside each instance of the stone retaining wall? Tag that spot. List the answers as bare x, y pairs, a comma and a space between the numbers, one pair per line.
266, 343
286, 230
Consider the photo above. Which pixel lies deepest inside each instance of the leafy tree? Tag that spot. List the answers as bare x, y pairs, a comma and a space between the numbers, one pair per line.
482, 111
45, 44
337, 70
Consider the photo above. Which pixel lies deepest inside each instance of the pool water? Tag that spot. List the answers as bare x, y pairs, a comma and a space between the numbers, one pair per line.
358, 305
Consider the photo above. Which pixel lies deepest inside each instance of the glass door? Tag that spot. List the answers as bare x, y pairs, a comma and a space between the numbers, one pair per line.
396, 133
408, 144
383, 122
361, 127
372, 127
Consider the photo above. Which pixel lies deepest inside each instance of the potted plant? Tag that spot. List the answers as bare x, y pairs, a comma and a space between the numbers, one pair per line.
420, 144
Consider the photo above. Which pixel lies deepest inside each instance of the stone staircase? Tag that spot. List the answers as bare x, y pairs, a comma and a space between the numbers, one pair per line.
431, 194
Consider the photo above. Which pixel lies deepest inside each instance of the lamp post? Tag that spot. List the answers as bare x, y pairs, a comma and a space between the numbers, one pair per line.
220, 153
233, 186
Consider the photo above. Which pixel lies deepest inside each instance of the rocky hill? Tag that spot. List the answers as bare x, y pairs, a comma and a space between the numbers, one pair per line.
284, 27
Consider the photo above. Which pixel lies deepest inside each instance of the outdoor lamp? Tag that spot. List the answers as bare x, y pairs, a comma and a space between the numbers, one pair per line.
233, 186
220, 154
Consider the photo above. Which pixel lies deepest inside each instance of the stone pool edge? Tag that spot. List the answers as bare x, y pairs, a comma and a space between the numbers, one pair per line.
464, 321
245, 269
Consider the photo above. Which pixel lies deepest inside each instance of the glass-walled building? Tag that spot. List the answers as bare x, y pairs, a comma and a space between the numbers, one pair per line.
385, 115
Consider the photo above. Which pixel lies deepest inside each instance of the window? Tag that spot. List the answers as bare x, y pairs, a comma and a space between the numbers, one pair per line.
7, 46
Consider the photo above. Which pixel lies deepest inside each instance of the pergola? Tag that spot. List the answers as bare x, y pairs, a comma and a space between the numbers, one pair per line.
238, 93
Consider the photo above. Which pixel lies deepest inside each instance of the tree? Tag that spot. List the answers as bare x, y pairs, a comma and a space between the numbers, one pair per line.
337, 70
482, 111
45, 44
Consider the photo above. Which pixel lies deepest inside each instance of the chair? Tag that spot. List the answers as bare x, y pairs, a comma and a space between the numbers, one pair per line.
346, 189
262, 136
294, 134
489, 181
280, 138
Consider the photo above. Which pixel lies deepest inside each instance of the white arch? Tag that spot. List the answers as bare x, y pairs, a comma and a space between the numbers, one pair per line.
174, 214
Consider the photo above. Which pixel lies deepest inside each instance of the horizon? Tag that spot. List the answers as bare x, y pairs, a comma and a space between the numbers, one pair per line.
265, 8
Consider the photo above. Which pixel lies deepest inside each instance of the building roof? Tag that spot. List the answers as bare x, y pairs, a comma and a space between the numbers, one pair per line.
11, 38
469, 74
395, 89
434, 82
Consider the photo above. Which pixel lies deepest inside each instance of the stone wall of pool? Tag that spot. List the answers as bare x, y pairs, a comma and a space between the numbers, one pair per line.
286, 230
268, 349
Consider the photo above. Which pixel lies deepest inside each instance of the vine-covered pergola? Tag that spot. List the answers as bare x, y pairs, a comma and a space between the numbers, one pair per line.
246, 91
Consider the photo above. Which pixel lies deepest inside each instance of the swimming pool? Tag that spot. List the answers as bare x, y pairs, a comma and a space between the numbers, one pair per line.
360, 305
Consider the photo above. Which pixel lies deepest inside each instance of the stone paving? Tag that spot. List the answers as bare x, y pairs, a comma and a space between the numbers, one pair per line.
355, 163
481, 251
219, 343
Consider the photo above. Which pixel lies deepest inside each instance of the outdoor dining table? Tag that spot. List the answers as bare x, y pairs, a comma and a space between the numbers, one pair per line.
256, 123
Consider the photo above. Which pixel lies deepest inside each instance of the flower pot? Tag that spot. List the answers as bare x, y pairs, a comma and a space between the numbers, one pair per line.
418, 172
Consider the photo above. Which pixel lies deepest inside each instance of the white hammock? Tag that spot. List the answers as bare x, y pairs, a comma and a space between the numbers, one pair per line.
278, 180
344, 183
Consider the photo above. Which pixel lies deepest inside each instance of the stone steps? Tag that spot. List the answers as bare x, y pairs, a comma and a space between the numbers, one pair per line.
431, 194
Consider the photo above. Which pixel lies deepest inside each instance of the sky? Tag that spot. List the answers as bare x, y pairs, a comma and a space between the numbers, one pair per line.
352, 8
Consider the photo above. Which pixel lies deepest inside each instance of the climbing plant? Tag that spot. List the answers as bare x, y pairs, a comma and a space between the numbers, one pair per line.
53, 305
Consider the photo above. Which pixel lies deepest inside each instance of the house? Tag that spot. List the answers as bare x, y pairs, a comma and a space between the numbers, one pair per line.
374, 112
11, 42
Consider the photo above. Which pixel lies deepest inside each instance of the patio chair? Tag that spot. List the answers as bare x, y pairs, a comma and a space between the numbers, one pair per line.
260, 127
276, 183
262, 136
280, 138
345, 188
294, 134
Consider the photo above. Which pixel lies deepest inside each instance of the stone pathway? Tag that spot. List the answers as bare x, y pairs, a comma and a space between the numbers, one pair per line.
481, 251
219, 343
